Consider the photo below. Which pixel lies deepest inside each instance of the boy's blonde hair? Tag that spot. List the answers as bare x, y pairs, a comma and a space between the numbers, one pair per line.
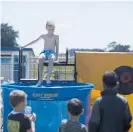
50, 23
16, 97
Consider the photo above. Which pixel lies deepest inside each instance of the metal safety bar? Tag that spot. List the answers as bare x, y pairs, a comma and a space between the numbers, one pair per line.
56, 63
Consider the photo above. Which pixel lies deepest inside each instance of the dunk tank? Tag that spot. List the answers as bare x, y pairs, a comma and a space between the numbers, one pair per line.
49, 102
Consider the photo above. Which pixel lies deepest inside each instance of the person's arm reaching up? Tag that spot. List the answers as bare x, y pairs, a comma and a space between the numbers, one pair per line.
34, 41
95, 118
57, 46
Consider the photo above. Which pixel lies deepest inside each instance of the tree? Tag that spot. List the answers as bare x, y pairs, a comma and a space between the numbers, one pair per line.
97, 50
8, 36
114, 47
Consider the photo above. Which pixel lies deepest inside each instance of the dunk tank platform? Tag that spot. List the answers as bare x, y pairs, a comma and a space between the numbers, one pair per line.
49, 102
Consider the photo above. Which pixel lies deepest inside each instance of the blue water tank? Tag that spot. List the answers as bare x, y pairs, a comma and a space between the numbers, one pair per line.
50, 102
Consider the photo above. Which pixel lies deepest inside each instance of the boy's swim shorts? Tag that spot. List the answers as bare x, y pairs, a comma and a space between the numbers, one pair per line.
47, 53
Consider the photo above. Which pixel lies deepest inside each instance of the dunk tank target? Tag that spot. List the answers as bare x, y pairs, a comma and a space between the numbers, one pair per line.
125, 78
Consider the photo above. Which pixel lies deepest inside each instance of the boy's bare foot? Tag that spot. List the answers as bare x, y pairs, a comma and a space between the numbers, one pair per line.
48, 80
39, 82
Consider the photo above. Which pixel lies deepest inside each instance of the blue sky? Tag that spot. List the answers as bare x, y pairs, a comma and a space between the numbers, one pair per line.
79, 24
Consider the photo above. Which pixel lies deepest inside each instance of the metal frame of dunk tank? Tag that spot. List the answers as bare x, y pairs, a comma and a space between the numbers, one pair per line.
56, 63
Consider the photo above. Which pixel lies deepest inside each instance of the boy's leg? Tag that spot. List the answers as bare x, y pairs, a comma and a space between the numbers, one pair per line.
41, 61
50, 66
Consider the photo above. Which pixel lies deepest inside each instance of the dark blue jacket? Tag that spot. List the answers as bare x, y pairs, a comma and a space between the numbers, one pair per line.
110, 113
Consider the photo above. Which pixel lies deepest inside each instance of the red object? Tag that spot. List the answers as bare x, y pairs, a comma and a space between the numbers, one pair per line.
126, 77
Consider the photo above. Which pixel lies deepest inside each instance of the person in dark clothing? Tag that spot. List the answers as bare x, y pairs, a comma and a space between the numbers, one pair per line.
110, 112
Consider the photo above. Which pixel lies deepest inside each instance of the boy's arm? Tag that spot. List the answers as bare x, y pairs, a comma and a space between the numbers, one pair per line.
128, 117
29, 124
57, 46
95, 118
32, 127
34, 41
84, 129
59, 129
62, 125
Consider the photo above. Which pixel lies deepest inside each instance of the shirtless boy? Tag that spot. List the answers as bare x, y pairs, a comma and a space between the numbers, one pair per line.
50, 51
